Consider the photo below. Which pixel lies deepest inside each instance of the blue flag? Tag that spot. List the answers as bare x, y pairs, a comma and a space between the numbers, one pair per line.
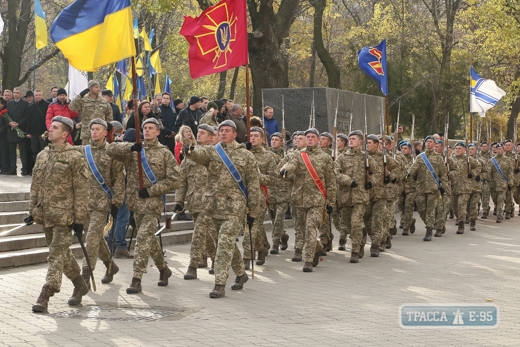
167, 89
372, 60
121, 67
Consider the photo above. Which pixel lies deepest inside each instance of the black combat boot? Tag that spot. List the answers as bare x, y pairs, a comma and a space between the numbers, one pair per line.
247, 263
317, 252
135, 286
109, 275
354, 257
203, 263
405, 232
218, 291
342, 244
451, 215
363, 243
412, 226
164, 274
472, 226
485, 213
428, 236
438, 233
389, 241
239, 282
261, 256
80, 289
460, 230
274, 249
211, 271
43, 300
297, 255
307, 267
191, 274
374, 250
285, 239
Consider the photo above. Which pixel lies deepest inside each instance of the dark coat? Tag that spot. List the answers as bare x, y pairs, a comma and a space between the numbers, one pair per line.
19, 113
168, 118
37, 113
116, 113
188, 117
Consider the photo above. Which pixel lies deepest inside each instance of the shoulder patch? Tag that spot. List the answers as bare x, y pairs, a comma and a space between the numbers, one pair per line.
63, 162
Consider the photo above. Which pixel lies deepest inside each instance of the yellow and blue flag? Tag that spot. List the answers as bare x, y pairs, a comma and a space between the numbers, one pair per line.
39, 25
146, 41
484, 94
372, 60
94, 33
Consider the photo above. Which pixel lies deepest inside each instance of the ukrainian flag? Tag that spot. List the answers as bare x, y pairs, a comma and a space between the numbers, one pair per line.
94, 33
40, 25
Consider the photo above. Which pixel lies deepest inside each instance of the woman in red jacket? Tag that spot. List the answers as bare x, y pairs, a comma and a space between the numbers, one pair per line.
183, 138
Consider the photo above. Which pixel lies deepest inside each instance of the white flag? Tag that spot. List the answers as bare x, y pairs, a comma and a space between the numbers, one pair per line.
1, 25
78, 81
484, 94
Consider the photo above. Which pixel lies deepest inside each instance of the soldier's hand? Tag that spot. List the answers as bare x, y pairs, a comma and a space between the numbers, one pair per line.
28, 220
283, 173
188, 148
78, 229
143, 193
114, 211
387, 179
84, 92
441, 189
250, 221
353, 184
470, 175
368, 185
477, 178
178, 208
517, 170
249, 145
136, 147
329, 209
509, 187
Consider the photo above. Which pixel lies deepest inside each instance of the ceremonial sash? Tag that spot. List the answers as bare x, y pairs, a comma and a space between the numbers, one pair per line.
313, 174
95, 171
231, 168
150, 175
264, 189
499, 169
430, 168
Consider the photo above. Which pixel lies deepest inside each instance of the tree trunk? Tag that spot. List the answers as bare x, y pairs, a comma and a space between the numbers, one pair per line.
222, 85
333, 72
515, 109
234, 83
312, 73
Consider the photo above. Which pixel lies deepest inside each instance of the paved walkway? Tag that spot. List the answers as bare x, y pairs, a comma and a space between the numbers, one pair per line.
336, 305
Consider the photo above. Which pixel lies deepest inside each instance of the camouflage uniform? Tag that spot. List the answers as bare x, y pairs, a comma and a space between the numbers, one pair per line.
476, 192
462, 185
377, 210
509, 203
307, 198
427, 194
336, 218
394, 191
192, 184
325, 231
90, 109
497, 185
147, 211
225, 204
443, 207
279, 197
485, 156
407, 196
59, 191
350, 167
209, 118
267, 178
99, 202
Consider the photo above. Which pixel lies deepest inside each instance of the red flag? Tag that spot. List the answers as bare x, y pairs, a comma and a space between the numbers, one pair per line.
218, 38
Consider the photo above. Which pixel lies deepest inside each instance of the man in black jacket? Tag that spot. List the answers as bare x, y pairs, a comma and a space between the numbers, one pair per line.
168, 118
116, 112
36, 123
18, 110
190, 116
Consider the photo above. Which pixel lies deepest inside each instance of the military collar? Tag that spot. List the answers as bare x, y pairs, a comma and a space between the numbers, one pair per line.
231, 145
311, 149
57, 148
354, 150
257, 149
150, 144
97, 144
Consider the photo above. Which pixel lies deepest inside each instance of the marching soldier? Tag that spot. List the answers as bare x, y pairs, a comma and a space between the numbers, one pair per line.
342, 146
354, 180
107, 192
58, 191
313, 193
192, 186
407, 197
279, 196
443, 207
509, 204
161, 177
326, 236
267, 177
233, 192
430, 172
91, 105
476, 192
500, 171
485, 155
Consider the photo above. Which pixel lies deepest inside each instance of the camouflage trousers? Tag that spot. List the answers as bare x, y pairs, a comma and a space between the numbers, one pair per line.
406, 206
460, 206
509, 208
516, 194
499, 199
227, 254
373, 220
485, 195
202, 242
352, 218
325, 231
472, 207
427, 207
443, 208
146, 245
339, 224
310, 219
96, 245
388, 219
259, 238
61, 260
299, 228
279, 222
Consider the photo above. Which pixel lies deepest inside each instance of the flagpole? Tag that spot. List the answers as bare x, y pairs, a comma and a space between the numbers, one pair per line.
470, 127
137, 125
387, 117
34, 78
248, 104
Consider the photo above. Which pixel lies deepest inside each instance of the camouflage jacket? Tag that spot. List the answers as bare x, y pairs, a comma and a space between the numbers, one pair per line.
496, 181
408, 182
305, 193
113, 173
350, 167
327, 150
164, 167
223, 198
381, 190
425, 182
484, 174
461, 183
91, 109
281, 192
209, 118
403, 163
60, 187
192, 185
485, 155
266, 168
